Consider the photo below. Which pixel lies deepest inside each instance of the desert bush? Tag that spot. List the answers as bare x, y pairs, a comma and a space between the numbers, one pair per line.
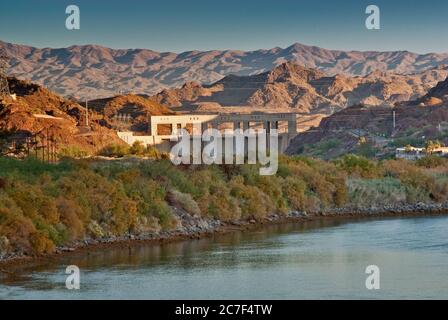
115, 150
213, 195
359, 166
408, 140
338, 179
220, 206
95, 229
253, 202
155, 154
14, 226
432, 162
314, 175
4, 246
137, 148
185, 201
30, 169
73, 152
272, 187
294, 191
71, 213
322, 148
376, 192
170, 176
41, 243
160, 209
147, 224
33, 202
421, 186
366, 149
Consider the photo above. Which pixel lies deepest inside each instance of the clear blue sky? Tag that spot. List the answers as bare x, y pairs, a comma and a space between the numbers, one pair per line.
180, 25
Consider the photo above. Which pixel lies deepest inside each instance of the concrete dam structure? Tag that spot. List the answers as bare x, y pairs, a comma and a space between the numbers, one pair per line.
164, 128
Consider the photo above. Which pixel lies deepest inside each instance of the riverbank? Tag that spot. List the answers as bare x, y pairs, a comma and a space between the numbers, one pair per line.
194, 228
54, 209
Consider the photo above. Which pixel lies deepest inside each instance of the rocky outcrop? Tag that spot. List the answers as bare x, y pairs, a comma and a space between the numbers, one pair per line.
436, 96
136, 109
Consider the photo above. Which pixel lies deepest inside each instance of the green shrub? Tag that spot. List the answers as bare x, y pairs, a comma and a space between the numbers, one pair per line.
162, 211
115, 150
253, 202
376, 192
185, 201
359, 166
41, 244
367, 150
294, 191
432, 162
137, 148
73, 152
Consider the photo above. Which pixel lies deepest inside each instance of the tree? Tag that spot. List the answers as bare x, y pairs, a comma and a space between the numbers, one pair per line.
431, 146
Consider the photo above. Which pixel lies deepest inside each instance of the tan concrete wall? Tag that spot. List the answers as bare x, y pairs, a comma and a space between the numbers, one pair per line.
239, 120
129, 138
201, 122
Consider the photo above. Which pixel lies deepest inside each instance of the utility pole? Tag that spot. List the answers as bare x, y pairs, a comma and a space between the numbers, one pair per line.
87, 113
394, 119
4, 87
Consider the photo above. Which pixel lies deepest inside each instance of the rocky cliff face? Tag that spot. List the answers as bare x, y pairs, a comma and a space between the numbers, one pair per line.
438, 94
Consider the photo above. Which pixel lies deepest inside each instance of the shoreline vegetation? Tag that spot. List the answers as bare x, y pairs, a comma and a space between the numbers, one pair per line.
164, 237
52, 209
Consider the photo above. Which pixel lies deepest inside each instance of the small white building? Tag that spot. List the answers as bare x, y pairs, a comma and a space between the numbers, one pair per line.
410, 153
441, 151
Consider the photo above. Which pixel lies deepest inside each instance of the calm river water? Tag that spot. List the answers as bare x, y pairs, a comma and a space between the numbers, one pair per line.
323, 259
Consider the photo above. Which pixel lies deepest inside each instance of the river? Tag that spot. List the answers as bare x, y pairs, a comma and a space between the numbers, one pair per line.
321, 259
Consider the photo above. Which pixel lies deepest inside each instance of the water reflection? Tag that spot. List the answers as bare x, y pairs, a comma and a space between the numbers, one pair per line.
320, 258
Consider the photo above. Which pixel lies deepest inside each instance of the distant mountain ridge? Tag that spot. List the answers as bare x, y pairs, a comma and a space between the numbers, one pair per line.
303, 90
94, 71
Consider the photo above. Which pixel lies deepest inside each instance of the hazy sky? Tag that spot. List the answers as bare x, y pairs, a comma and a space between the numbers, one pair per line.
180, 25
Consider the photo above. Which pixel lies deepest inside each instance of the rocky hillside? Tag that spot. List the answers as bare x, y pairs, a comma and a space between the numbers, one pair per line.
36, 110
370, 131
436, 96
304, 90
130, 111
93, 71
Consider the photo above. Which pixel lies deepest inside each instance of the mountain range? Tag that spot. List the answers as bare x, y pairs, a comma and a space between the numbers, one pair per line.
92, 71
292, 87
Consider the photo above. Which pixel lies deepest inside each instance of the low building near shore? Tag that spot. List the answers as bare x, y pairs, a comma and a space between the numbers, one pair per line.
412, 153
163, 128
